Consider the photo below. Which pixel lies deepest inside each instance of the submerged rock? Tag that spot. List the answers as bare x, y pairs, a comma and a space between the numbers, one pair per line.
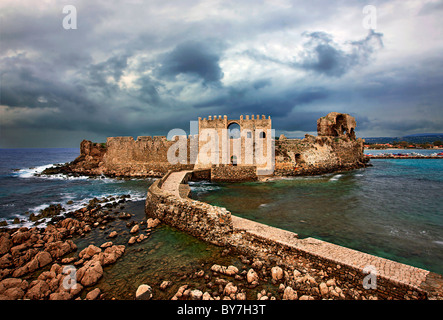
144, 292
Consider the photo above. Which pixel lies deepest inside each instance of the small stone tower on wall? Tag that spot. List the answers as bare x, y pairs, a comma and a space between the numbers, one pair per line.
237, 141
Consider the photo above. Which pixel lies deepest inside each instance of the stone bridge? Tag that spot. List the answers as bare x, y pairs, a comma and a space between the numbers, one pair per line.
168, 199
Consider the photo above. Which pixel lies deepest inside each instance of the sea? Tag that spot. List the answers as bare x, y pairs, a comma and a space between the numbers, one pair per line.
392, 209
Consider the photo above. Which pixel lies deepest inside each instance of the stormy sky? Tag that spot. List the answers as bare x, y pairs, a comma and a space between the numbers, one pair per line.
133, 68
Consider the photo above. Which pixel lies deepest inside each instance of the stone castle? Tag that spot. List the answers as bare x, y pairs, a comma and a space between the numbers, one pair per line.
238, 142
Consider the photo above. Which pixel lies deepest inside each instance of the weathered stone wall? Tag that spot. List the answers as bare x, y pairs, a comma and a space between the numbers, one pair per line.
245, 149
233, 173
336, 124
199, 219
386, 288
314, 155
215, 225
124, 156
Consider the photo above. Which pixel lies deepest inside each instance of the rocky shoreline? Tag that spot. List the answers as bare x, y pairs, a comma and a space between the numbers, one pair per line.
35, 262
39, 264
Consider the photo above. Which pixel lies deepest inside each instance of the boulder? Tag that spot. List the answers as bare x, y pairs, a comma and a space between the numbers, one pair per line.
90, 273
14, 293
165, 284
61, 295
216, 268
230, 289
132, 240
296, 273
13, 283
289, 294
251, 276
106, 245
277, 273
207, 296
306, 297
330, 282
231, 270
257, 265
323, 289
88, 252
141, 237
144, 292
135, 229
6, 261
111, 254
39, 289
59, 248
40, 260
93, 295
20, 237
113, 234
43, 258
47, 275
5, 244
196, 294
180, 292
152, 223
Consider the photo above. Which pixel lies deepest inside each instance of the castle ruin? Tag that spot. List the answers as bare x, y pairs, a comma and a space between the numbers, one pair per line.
241, 149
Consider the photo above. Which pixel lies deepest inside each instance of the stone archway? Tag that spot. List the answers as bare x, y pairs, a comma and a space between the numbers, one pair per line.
234, 130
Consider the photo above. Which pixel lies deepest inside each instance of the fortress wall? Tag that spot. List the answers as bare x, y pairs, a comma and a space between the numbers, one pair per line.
231, 173
196, 218
320, 154
124, 156
144, 156
216, 225
144, 149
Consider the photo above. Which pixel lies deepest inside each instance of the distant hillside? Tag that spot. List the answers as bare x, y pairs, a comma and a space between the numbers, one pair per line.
413, 138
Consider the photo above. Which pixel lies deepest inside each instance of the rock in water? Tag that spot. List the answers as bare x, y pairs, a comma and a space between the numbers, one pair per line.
251, 276
90, 273
135, 229
113, 234
144, 292
88, 252
93, 295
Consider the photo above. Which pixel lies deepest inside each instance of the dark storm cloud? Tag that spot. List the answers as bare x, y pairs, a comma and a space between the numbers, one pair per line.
191, 58
143, 68
252, 99
112, 67
323, 55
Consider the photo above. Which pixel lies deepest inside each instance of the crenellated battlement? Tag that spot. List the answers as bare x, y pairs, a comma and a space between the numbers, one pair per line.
242, 117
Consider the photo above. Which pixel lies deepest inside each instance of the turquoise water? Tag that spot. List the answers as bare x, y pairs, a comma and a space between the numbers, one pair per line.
392, 209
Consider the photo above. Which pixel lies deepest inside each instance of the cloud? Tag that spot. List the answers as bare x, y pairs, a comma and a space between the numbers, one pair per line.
191, 58
325, 56
135, 68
